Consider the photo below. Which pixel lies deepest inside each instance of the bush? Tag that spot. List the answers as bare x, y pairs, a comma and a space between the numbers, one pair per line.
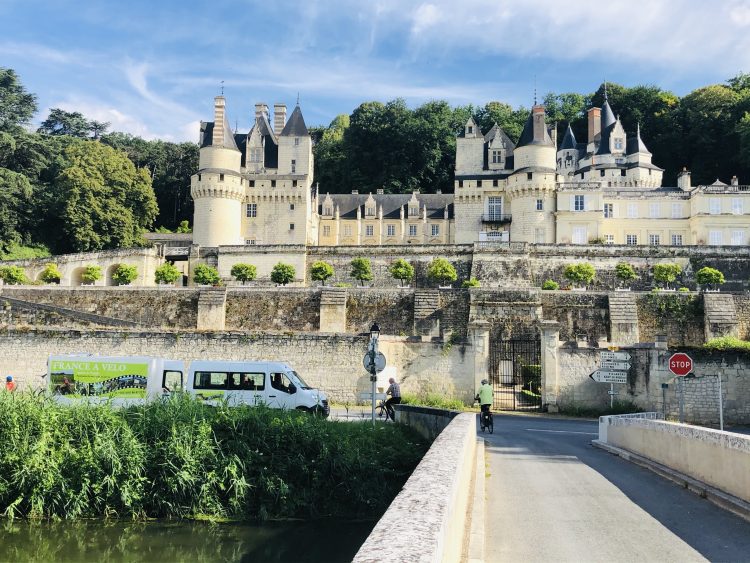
625, 272
321, 271
666, 273
167, 273
709, 276
342, 284
728, 343
50, 274
401, 270
471, 282
13, 275
441, 271
244, 272
206, 275
361, 269
581, 273
124, 274
184, 227
684, 290
434, 400
283, 274
91, 274
550, 285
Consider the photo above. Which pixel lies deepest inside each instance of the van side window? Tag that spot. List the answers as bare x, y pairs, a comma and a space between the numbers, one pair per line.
172, 380
281, 382
210, 380
247, 381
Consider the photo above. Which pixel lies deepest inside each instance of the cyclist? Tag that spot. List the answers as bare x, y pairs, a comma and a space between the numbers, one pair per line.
394, 390
485, 397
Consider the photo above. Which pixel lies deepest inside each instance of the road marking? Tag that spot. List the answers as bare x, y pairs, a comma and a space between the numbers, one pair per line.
562, 431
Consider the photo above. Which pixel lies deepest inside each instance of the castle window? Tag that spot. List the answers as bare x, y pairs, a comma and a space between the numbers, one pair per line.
738, 238
413, 211
199, 177
653, 240
618, 144
369, 211
737, 206
347, 230
609, 239
294, 183
479, 183
296, 142
601, 173
579, 203
328, 211
221, 177
715, 237
369, 230
494, 183
494, 208
435, 230
540, 205
631, 240
291, 226
714, 206
251, 183
273, 183
391, 230
469, 130
291, 207
251, 210
412, 230
655, 210
622, 172
676, 240
632, 210
294, 166
327, 231
609, 210
529, 175
250, 241
497, 157
256, 155
460, 183
676, 210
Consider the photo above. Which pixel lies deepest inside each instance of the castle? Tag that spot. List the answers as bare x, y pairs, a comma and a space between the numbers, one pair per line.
258, 189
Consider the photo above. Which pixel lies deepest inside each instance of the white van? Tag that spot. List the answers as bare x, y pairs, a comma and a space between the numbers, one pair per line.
123, 380
274, 384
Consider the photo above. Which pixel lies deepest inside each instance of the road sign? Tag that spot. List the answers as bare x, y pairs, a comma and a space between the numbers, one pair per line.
379, 362
603, 375
680, 364
609, 364
614, 356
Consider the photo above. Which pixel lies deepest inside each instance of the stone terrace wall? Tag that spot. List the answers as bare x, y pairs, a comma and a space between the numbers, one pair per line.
510, 313
679, 316
578, 312
742, 306
393, 309
266, 309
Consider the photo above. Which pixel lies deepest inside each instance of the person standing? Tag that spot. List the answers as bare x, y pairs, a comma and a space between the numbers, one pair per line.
394, 390
10, 385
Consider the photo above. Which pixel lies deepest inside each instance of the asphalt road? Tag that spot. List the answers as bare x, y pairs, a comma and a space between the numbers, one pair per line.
551, 496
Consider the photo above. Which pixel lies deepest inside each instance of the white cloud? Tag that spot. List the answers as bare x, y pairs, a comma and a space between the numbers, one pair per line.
425, 17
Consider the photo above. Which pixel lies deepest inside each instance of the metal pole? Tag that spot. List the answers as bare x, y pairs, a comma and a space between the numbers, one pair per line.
611, 396
681, 385
664, 399
373, 343
721, 406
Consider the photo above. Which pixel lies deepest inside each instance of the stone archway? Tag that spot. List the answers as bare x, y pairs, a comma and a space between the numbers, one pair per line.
76, 276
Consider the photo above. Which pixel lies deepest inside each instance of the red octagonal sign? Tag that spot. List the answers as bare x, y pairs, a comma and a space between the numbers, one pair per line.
680, 364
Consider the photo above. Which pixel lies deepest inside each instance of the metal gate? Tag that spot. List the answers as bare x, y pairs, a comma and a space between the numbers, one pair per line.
516, 374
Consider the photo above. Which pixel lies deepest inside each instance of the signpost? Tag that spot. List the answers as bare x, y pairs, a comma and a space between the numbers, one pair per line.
613, 368
604, 375
680, 364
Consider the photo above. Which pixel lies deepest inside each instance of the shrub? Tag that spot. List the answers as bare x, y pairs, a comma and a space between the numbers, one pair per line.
709, 276
50, 274
596, 240
434, 400
471, 282
441, 271
125, 274
625, 272
244, 272
684, 290
342, 284
283, 274
727, 343
167, 273
361, 269
666, 273
206, 275
91, 274
321, 271
184, 227
581, 273
550, 285
401, 270
13, 275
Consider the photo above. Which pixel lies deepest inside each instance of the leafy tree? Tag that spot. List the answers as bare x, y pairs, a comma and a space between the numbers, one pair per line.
61, 122
709, 276
244, 272
625, 272
13, 275
666, 273
15, 201
580, 273
441, 271
321, 271
125, 274
184, 227
91, 274
166, 274
203, 274
401, 270
17, 106
471, 282
283, 274
512, 121
98, 128
550, 285
50, 274
361, 269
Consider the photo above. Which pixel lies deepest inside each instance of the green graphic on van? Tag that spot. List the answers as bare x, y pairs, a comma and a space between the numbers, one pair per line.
90, 377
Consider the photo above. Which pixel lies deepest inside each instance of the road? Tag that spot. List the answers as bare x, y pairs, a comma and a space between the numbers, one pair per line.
551, 496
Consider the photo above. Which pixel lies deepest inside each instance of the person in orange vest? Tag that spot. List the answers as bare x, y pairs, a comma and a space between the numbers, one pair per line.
10, 385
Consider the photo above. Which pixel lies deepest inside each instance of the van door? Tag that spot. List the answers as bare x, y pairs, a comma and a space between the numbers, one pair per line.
209, 385
281, 392
246, 387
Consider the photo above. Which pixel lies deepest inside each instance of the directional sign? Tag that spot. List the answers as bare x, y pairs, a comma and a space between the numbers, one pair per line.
609, 376
379, 362
615, 356
609, 364
680, 364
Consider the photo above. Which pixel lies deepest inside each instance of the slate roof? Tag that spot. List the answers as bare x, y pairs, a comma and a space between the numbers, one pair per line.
569, 140
527, 135
635, 144
295, 127
207, 135
391, 203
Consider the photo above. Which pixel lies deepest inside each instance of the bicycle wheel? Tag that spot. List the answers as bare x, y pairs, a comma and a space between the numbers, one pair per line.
491, 425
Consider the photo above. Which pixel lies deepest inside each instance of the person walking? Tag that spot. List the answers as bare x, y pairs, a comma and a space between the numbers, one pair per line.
10, 385
394, 390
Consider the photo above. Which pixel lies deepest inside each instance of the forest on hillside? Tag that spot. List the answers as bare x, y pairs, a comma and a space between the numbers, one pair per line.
72, 185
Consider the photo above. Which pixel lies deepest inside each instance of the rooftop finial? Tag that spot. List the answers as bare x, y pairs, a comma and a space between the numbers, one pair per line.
535, 89
297, 98
605, 89
222, 87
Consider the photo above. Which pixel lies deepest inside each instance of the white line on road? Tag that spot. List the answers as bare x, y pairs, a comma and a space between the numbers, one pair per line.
562, 431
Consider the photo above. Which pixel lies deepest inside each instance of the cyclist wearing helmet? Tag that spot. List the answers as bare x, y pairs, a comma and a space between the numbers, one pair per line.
485, 396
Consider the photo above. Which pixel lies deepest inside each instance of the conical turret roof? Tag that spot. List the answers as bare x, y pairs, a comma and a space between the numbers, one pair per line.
295, 127
569, 140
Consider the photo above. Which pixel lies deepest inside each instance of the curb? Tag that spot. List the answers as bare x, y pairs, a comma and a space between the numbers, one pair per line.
476, 530
724, 500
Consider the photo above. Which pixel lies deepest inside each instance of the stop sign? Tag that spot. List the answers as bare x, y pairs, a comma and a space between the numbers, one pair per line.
680, 364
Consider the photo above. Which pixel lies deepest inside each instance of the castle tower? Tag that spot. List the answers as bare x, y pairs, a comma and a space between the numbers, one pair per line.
567, 154
217, 188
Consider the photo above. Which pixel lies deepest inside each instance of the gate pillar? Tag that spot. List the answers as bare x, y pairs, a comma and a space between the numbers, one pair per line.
480, 336
550, 370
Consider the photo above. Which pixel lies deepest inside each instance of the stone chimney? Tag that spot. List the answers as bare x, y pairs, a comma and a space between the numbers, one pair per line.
595, 123
537, 114
261, 109
355, 192
553, 135
734, 182
279, 117
683, 180
380, 191
219, 118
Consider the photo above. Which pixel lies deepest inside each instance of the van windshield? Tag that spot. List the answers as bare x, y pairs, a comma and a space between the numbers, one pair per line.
297, 378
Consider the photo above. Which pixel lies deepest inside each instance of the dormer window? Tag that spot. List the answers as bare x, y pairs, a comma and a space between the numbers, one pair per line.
618, 144
296, 141
370, 211
256, 155
497, 157
413, 211
328, 211
469, 130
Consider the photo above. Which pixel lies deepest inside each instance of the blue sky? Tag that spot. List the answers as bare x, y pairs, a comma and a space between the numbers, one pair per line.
152, 68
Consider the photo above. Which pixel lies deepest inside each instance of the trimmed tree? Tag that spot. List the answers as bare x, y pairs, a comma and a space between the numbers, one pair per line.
125, 274
283, 274
550, 285
580, 273
50, 274
666, 273
206, 275
709, 276
441, 271
91, 274
401, 270
244, 272
361, 270
471, 282
166, 274
321, 271
625, 273
13, 275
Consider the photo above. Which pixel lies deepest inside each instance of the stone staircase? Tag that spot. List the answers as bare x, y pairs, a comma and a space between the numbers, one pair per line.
78, 316
623, 317
719, 314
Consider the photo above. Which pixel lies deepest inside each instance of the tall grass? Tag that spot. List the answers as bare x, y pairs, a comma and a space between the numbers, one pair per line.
435, 400
179, 458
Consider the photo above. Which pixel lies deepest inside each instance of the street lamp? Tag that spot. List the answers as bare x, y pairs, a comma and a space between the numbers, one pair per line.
374, 335
374, 331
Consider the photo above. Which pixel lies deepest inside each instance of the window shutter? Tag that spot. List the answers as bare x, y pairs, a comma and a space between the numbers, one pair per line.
572, 203
588, 202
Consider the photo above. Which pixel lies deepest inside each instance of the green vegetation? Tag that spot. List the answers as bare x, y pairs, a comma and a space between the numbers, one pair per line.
728, 343
203, 274
321, 271
361, 270
125, 274
402, 271
166, 273
283, 274
50, 274
471, 282
666, 273
244, 272
684, 290
434, 400
20, 252
13, 275
178, 458
618, 407
550, 285
580, 273
709, 276
91, 274
677, 308
441, 271
625, 273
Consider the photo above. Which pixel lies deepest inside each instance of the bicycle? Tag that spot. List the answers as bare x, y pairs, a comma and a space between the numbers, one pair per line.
485, 420
381, 410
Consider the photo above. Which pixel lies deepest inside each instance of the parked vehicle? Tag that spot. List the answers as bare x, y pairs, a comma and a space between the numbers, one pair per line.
122, 379
274, 384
